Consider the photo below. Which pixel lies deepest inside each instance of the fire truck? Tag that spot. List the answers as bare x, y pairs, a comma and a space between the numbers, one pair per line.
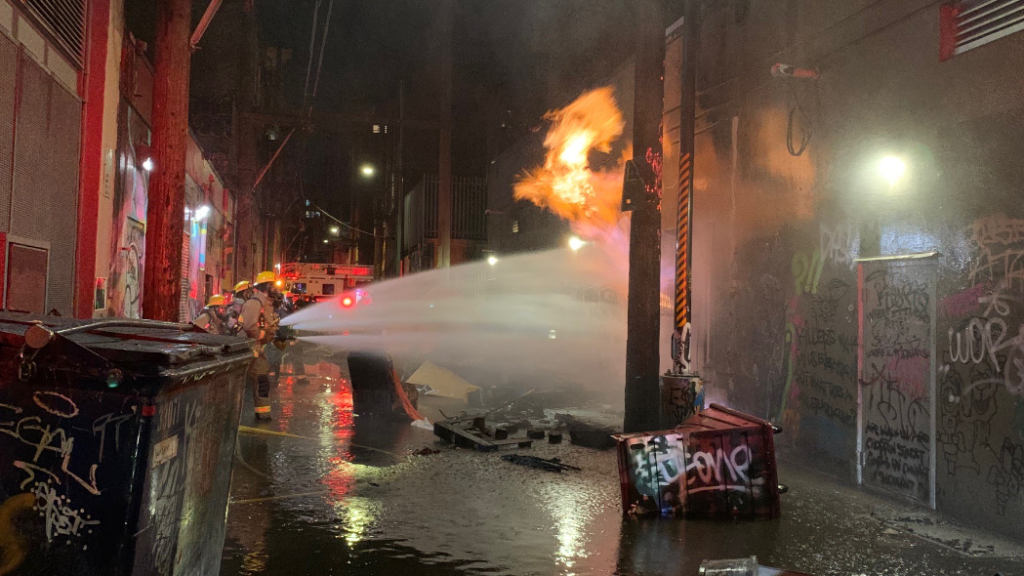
317, 282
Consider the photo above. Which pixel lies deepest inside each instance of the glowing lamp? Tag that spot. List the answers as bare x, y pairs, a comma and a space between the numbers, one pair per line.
147, 164
367, 170
347, 302
492, 260
575, 243
892, 169
201, 213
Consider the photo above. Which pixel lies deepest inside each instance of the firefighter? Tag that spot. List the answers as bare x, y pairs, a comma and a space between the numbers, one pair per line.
212, 318
259, 322
238, 296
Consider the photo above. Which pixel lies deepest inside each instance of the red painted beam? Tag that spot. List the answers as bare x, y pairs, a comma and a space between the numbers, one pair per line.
91, 166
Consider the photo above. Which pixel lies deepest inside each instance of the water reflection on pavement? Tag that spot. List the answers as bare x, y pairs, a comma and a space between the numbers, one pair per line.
320, 491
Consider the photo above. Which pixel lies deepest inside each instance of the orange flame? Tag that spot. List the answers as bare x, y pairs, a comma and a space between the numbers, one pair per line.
566, 184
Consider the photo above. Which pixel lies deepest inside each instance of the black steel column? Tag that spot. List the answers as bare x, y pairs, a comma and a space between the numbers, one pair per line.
643, 322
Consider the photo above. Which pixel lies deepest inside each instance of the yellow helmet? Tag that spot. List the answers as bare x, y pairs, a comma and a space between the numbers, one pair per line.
242, 286
264, 277
216, 300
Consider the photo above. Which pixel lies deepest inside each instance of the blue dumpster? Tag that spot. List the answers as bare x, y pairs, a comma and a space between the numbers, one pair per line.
116, 444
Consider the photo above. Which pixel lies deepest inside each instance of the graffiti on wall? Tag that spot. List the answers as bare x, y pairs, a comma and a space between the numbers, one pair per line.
895, 375
999, 241
982, 376
818, 403
128, 241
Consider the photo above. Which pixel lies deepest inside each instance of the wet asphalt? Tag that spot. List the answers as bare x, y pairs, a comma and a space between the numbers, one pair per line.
320, 491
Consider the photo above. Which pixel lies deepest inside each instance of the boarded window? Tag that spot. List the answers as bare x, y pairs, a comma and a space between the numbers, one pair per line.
26, 279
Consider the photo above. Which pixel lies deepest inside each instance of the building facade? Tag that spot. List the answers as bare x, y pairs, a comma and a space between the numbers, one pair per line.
75, 101
41, 115
857, 271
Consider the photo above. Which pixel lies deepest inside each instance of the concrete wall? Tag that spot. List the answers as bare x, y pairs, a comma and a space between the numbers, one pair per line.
915, 367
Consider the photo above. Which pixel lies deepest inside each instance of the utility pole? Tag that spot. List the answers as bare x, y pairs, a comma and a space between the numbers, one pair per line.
643, 394
444, 172
166, 213
400, 181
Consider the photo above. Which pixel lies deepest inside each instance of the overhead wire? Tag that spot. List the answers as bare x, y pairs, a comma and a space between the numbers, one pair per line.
346, 224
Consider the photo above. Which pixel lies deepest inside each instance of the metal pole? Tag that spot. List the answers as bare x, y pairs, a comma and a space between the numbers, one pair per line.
684, 213
211, 11
643, 393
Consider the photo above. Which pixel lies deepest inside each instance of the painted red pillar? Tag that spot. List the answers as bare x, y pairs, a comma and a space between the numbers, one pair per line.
90, 174
165, 214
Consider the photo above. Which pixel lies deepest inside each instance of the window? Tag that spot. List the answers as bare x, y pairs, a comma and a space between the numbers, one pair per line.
327, 290
967, 24
515, 226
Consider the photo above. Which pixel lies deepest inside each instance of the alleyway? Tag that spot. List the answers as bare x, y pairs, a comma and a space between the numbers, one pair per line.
320, 491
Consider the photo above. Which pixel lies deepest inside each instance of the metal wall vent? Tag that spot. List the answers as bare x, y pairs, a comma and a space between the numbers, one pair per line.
968, 24
64, 20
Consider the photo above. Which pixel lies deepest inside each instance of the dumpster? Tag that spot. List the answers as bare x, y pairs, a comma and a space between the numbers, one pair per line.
718, 464
116, 444
376, 389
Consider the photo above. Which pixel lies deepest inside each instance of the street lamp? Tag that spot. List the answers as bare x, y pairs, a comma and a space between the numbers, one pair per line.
367, 170
892, 169
335, 230
325, 241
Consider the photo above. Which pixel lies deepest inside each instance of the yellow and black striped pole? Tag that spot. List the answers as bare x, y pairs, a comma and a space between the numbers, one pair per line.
684, 212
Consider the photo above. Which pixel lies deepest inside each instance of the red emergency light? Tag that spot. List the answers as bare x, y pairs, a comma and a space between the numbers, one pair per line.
347, 301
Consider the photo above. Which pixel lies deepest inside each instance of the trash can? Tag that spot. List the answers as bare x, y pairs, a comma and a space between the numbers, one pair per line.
718, 464
116, 444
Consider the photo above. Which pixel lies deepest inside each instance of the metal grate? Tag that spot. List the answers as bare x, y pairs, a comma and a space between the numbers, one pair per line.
968, 24
65, 21
44, 201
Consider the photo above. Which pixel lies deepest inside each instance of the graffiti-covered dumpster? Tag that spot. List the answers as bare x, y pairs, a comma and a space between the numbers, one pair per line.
116, 443
718, 464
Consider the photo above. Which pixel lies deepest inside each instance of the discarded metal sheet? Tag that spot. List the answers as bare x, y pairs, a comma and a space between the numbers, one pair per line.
719, 464
546, 464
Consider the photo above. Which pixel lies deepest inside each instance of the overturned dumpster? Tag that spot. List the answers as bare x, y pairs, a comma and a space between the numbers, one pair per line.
718, 464
116, 443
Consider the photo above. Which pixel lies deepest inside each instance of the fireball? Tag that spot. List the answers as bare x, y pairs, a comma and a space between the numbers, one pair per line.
567, 184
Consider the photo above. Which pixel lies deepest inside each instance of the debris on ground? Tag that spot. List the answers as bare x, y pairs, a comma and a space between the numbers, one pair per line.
585, 434
547, 464
473, 432
742, 567
433, 380
425, 451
